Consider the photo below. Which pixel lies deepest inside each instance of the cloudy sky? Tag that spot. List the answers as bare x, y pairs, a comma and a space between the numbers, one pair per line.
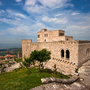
22, 19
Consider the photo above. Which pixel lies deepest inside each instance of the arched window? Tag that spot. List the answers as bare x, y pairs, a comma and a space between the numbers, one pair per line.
88, 52
67, 54
62, 53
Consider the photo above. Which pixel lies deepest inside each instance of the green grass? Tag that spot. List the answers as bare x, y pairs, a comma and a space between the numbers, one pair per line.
0, 67
20, 80
70, 75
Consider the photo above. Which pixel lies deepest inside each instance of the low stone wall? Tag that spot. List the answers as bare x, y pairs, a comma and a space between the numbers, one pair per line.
64, 81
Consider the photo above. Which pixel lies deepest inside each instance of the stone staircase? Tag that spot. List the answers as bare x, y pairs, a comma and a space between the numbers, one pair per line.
84, 72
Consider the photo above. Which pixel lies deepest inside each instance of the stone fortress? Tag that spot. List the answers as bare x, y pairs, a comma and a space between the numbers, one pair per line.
66, 53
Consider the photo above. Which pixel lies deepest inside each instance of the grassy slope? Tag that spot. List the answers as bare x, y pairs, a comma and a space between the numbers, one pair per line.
20, 80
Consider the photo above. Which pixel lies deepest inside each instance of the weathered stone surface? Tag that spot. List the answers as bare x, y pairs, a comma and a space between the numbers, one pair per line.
59, 86
12, 67
64, 81
84, 72
55, 43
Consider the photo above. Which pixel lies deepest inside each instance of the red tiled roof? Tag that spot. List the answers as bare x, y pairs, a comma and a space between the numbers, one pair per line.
1, 57
8, 55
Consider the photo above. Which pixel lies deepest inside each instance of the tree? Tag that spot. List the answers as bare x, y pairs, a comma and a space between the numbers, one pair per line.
41, 56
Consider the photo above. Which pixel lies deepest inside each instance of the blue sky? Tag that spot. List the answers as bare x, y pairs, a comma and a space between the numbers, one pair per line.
22, 19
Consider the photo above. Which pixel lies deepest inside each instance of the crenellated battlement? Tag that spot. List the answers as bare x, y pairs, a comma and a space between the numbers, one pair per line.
66, 53
52, 35
27, 41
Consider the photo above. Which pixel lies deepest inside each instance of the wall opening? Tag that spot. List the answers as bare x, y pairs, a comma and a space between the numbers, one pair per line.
38, 36
61, 34
62, 53
88, 52
45, 35
67, 39
67, 54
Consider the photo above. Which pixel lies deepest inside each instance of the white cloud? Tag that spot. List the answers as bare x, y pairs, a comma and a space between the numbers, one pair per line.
20, 30
54, 3
78, 28
74, 23
74, 13
31, 6
18, 0
15, 14
35, 8
30, 2
46, 5
0, 3
9, 11
55, 20
9, 21
2, 11
79, 32
20, 15
58, 15
38, 26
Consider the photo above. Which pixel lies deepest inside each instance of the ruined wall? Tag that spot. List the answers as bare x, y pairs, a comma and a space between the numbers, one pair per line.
83, 47
62, 63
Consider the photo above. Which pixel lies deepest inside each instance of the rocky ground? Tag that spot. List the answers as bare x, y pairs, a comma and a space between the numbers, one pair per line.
11, 67
59, 86
82, 84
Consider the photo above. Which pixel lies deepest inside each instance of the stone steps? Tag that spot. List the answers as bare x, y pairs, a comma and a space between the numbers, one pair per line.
58, 86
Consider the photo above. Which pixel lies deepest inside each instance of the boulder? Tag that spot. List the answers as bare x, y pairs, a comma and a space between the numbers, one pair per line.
64, 81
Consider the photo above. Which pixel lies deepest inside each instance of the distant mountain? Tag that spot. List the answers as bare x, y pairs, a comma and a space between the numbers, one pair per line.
3, 49
8, 46
12, 51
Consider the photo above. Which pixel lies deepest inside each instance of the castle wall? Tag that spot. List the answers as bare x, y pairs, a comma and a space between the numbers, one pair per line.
26, 48
83, 47
66, 53
68, 38
62, 63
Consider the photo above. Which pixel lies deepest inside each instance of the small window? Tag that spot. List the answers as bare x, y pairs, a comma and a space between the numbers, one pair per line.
45, 40
62, 53
67, 39
38, 36
67, 54
45, 29
46, 35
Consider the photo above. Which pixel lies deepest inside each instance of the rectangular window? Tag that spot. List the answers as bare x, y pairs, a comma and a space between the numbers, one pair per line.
38, 36
46, 35
61, 34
